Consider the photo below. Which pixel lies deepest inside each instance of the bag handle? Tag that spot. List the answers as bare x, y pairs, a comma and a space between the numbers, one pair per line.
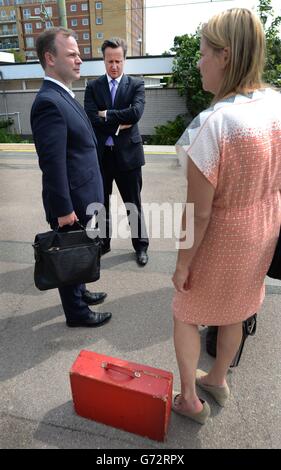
123, 370
75, 223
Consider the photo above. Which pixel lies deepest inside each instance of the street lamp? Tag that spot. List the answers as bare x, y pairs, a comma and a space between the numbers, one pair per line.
139, 40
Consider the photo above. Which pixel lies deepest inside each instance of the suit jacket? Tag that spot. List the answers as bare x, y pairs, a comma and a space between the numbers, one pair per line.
127, 109
66, 147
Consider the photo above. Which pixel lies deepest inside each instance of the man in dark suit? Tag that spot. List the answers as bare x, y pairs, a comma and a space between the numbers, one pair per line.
66, 147
115, 104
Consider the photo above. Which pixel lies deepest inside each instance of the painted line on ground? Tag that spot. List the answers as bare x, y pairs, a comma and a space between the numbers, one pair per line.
32, 151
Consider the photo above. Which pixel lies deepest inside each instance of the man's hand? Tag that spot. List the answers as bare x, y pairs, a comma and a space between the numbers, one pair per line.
122, 126
102, 113
69, 219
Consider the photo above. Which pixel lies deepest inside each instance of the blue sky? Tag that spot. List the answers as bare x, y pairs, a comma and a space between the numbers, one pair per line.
166, 19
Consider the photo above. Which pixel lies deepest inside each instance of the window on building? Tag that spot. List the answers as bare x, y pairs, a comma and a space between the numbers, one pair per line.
73, 7
84, 6
99, 35
37, 11
13, 14
28, 28
38, 25
49, 24
99, 20
49, 10
30, 55
87, 50
98, 5
99, 50
30, 42
1, 2
85, 21
74, 22
86, 36
18, 2
3, 13
26, 13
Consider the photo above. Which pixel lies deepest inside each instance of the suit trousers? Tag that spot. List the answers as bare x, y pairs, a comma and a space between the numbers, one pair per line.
73, 304
129, 184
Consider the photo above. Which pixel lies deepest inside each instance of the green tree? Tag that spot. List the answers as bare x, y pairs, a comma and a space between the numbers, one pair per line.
186, 75
19, 56
272, 72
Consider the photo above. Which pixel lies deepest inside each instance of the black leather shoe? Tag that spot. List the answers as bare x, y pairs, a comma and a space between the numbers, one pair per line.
142, 258
94, 319
211, 340
93, 298
105, 248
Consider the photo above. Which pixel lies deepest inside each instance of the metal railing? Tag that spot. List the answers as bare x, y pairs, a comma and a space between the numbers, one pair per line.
36, 1
6, 19
11, 32
10, 45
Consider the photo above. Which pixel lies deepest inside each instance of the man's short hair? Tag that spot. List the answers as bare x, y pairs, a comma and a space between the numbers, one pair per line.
114, 43
46, 42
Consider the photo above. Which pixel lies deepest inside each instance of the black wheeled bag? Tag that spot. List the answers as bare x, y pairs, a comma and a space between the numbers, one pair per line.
274, 269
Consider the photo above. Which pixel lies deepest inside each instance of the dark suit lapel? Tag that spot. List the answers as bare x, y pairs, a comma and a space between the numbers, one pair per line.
76, 105
73, 102
106, 92
80, 110
121, 91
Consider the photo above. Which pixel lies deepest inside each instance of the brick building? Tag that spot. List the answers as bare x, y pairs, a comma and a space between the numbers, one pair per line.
22, 20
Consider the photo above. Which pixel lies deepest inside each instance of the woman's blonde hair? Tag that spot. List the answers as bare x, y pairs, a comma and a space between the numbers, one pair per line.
242, 32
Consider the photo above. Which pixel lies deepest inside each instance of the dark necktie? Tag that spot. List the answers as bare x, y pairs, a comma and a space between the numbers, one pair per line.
109, 140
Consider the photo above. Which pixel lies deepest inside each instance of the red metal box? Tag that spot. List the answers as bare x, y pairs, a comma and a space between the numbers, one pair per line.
126, 395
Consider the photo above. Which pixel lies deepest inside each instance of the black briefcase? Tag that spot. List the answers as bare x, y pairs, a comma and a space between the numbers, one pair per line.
274, 269
64, 258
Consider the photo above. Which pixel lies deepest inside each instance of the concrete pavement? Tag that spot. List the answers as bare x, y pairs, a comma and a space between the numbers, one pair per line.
37, 349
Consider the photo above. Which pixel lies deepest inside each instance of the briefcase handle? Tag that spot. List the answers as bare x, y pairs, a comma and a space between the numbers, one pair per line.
82, 227
76, 223
123, 370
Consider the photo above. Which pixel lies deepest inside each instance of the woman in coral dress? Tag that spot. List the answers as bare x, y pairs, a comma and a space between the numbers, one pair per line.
231, 153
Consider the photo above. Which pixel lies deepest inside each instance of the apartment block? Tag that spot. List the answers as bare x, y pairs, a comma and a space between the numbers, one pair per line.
9, 28
21, 21
123, 18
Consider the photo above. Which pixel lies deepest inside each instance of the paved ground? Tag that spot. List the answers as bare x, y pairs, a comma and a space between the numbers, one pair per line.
37, 349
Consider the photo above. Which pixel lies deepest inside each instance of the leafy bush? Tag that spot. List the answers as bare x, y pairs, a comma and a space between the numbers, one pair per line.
6, 138
6, 122
169, 133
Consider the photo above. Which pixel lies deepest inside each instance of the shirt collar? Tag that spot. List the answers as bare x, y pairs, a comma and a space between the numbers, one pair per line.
61, 85
118, 79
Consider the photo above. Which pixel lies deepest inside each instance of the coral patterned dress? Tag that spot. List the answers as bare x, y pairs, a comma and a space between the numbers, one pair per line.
236, 144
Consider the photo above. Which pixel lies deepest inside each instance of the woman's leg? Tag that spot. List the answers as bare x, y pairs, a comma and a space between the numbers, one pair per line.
187, 347
228, 342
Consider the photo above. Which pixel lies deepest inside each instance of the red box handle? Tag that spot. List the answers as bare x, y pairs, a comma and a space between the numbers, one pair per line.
123, 370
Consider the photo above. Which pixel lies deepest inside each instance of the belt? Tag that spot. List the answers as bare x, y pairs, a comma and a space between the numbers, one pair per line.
110, 147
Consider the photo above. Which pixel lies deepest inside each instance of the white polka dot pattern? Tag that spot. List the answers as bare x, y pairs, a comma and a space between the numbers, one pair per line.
237, 146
